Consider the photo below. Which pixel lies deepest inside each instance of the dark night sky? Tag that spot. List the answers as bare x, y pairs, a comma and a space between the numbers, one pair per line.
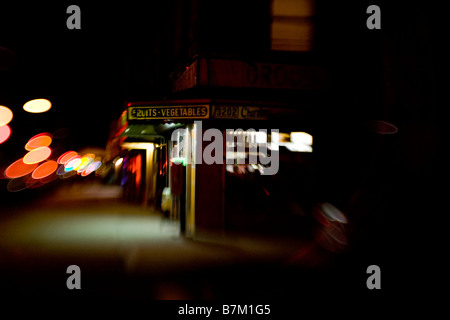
80, 71
83, 71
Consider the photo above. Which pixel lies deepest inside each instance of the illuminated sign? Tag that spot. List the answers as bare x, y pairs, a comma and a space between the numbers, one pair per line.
239, 112
242, 74
168, 112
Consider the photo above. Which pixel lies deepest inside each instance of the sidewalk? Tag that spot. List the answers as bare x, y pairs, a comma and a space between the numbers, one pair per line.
125, 250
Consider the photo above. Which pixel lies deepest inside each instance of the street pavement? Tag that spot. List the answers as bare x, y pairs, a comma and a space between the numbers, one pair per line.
127, 251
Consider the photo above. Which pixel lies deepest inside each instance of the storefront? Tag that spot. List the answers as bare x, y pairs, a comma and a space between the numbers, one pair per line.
203, 152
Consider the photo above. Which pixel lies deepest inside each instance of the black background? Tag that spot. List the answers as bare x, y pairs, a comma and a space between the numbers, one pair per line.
83, 73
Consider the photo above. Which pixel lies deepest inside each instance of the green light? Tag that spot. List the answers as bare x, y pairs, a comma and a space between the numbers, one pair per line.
182, 160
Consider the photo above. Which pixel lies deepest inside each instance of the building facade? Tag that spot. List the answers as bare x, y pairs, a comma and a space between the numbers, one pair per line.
295, 66
246, 66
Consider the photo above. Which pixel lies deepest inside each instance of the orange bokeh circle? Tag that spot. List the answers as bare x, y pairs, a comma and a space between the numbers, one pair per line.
19, 169
37, 155
45, 169
41, 140
65, 157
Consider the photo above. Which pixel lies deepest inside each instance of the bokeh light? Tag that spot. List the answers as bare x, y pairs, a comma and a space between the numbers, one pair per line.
37, 105
332, 235
337, 232
320, 217
32, 183
382, 127
72, 164
91, 168
333, 213
85, 173
5, 132
19, 169
16, 184
48, 179
84, 163
60, 170
95, 165
89, 155
66, 157
45, 169
37, 155
29, 181
40, 140
67, 175
6, 115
